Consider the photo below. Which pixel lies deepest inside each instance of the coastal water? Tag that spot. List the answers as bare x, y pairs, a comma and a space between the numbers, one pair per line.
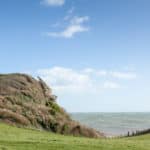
113, 124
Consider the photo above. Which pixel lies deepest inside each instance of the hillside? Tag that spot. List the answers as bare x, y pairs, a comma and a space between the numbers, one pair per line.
28, 102
13, 138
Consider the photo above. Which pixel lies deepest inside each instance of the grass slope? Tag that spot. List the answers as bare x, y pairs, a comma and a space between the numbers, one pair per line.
12, 138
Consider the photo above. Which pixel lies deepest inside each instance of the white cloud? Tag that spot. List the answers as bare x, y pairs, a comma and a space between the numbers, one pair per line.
69, 32
53, 2
111, 85
95, 72
101, 73
88, 70
124, 75
76, 25
66, 80
79, 20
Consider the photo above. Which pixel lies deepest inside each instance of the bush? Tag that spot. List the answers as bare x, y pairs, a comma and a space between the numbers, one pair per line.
54, 106
65, 129
54, 126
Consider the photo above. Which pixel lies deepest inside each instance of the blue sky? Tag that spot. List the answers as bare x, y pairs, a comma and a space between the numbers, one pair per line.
94, 54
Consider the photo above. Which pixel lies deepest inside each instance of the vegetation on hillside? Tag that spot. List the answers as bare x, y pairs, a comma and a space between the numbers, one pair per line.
27, 102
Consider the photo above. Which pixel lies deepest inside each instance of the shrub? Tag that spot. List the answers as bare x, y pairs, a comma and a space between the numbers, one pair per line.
65, 129
54, 106
54, 126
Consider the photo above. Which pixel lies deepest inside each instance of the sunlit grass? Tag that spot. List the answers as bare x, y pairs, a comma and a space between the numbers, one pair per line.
12, 138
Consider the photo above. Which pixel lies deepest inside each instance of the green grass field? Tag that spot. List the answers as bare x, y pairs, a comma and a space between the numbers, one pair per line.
12, 138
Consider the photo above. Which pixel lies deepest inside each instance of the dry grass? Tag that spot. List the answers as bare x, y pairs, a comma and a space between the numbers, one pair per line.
13, 117
27, 101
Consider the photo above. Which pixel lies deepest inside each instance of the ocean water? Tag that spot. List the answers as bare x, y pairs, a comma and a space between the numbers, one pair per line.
114, 124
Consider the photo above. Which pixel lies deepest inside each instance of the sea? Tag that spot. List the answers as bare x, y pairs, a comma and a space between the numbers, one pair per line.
114, 124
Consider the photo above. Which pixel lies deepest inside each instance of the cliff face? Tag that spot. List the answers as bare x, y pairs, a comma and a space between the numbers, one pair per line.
25, 101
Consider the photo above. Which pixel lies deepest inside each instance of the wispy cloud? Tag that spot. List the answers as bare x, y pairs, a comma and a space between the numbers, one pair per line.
76, 25
52, 2
69, 13
95, 72
79, 20
65, 79
124, 75
84, 80
111, 85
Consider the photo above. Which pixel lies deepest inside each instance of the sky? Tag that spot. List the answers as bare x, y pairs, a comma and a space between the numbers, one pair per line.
95, 55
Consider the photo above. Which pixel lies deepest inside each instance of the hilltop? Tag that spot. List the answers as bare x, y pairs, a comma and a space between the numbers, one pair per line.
29, 102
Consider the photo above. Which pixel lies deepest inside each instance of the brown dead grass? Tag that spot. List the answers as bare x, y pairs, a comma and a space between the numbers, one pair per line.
29, 102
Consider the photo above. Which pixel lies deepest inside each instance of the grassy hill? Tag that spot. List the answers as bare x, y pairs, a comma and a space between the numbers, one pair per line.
13, 138
29, 102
